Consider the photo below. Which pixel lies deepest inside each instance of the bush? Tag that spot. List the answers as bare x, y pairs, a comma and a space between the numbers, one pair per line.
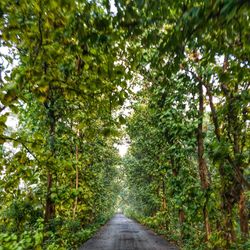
32, 239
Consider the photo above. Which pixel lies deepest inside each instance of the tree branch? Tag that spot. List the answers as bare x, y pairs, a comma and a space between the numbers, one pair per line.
22, 143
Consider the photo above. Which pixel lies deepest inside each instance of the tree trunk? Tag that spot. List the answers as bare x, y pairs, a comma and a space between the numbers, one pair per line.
181, 216
50, 206
203, 171
228, 201
228, 230
164, 201
77, 183
243, 211
233, 193
181, 213
164, 204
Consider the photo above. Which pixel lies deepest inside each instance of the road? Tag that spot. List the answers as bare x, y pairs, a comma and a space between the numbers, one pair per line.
121, 233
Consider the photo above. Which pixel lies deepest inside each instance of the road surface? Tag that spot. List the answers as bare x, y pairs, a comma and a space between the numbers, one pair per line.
121, 233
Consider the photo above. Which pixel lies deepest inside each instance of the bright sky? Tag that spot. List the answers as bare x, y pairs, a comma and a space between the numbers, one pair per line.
123, 148
112, 5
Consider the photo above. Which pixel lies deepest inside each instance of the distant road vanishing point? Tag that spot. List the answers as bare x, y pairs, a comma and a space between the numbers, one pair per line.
121, 233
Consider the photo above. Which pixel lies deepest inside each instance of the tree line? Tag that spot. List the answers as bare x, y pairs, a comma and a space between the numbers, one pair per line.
188, 165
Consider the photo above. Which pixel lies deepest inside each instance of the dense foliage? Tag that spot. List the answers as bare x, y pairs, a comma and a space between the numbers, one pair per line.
67, 69
188, 165
59, 165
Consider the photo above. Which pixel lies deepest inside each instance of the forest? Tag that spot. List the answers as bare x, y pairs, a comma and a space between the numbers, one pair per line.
79, 78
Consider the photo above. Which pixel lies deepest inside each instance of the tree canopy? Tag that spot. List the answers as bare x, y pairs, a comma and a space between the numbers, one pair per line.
69, 69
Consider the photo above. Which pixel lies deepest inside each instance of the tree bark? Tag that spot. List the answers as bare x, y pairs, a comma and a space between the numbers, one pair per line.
228, 229
50, 205
243, 211
181, 213
164, 203
234, 131
234, 192
77, 184
203, 170
181, 216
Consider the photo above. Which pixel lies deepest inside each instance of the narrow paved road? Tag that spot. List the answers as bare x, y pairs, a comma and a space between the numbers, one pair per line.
121, 233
